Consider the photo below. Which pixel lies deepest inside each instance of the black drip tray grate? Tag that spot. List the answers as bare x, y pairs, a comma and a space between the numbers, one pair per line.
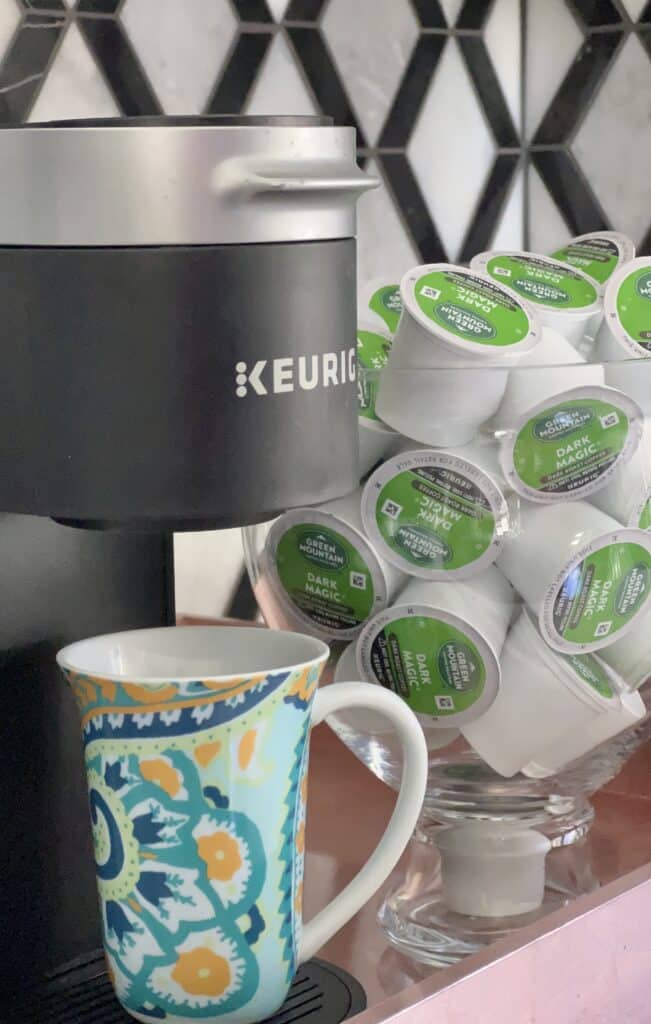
81, 994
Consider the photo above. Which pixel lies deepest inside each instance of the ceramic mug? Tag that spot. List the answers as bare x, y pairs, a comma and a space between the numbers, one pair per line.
196, 746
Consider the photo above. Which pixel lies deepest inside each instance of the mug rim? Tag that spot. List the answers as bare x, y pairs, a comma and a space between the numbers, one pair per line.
64, 656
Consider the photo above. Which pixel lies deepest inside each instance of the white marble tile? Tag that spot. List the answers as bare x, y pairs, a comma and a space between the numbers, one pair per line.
278, 8
634, 8
371, 49
553, 40
451, 9
207, 568
613, 145
383, 246
548, 229
451, 149
182, 47
9, 20
509, 233
74, 86
502, 38
279, 87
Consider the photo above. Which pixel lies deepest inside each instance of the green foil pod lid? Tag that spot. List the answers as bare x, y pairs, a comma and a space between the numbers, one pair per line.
598, 254
627, 306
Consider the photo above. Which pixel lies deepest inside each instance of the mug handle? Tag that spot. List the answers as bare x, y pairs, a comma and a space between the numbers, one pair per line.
405, 813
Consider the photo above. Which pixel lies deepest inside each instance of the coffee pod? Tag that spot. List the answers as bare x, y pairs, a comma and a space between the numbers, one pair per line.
447, 371
492, 870
571, 445
376, 440
567, 300
627, 495
380, 302
630, 657
598, 254
370, 722
438, 647
551, 368
543, 699
625, 334
587, 578
628, 712
434, 514
324, 572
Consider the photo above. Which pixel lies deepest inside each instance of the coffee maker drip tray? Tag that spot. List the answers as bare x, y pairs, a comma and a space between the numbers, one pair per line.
81, 993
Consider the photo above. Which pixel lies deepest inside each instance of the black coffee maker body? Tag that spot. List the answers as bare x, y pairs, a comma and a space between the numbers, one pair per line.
178, 341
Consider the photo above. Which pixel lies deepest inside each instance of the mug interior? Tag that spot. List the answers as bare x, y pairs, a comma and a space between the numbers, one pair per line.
190, 652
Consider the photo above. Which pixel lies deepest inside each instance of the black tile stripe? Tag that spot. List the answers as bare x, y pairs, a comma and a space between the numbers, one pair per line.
410, 203
240, 72
304, 10
490, 206
243, 604
323, 78
489, 90
474, 13
99, 6
570, 191
429, 13
121, 66
596, 13
252, 10
645, 39
43, 5
404, 111
24, 68
644, 248
646, 13
578, 88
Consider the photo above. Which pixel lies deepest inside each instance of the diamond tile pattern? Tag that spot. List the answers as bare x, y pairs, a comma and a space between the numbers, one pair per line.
434, 88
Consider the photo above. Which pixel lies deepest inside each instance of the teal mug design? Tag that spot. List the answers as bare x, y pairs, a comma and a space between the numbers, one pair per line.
196, 746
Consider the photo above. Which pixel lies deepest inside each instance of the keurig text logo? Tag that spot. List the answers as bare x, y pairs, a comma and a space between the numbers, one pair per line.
296, 373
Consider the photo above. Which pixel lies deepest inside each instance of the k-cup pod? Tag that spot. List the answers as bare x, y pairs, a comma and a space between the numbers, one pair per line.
587, 578
376, 440
551, 368
380, 302
324, 571
567, 300
598, 254
627, 495
440, 651
434, 514
571, 445
628, 712
447, 371
492, 870
625, 334
630, 657
543, 699
367, 721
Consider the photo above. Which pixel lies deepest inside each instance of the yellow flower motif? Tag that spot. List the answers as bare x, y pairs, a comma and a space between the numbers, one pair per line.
246, 749
300, 838
162, 774
202, 972
298, 900
150, 694
222, 856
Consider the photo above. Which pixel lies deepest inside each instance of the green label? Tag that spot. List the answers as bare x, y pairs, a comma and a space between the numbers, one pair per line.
591, 672
644, 521
569, 446
372, 356
471, 308
597, 257
435, 517
387, 303
634, 306
540, 281
602, 593
325, 577
432, 665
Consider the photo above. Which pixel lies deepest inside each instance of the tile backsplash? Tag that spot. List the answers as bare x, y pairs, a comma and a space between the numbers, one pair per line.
490, 122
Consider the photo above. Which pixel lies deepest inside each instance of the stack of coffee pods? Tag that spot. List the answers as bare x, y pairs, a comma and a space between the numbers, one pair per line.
494, 567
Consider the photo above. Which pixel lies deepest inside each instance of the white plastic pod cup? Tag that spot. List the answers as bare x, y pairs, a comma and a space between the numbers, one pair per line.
567, 300
587, 578
458, 336
546, 703
324, 572
627, 495
624, 340
630, 657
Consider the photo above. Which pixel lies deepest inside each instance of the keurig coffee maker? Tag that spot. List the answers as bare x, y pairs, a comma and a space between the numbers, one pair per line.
177, 301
